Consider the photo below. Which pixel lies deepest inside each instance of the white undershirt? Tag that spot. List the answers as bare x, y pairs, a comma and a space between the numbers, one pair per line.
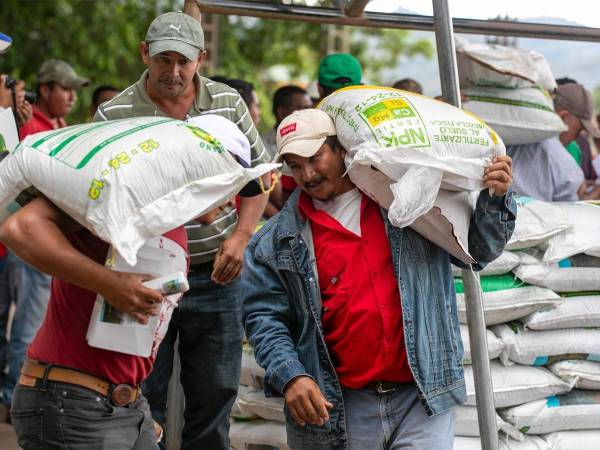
344, 208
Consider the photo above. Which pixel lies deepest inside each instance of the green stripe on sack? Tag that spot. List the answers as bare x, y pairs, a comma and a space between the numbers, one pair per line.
116, 137
506, 101
74, 136
492, 283
36, 144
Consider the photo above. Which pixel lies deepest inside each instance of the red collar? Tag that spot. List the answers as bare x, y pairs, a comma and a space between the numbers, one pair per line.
43, 118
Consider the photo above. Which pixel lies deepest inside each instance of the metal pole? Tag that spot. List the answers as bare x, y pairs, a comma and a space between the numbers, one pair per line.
175, 404
486, 413
335, 16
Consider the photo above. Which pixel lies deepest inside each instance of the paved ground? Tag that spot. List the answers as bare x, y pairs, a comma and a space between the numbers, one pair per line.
8, 440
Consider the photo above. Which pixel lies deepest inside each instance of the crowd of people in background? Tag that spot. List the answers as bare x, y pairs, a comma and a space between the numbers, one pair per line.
207, 322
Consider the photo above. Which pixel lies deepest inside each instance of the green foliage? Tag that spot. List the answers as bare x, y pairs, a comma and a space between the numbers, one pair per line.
98, 38
380, 49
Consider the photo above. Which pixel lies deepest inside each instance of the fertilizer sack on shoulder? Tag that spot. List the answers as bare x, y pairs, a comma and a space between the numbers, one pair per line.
130, 180
417, 157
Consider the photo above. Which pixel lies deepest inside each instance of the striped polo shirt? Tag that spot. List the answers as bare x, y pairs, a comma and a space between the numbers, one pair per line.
211, 98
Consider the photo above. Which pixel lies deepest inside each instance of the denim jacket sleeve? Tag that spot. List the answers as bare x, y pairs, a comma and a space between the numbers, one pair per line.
268, 320
491, 227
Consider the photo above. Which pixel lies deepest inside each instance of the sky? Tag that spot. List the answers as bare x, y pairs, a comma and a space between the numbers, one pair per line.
584, 12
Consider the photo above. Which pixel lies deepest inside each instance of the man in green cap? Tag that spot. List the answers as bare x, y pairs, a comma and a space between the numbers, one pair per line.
208, 319
56, 92
336, 71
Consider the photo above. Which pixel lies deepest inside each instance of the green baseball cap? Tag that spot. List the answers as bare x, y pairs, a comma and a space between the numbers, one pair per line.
177, 32
339, 70
57, 71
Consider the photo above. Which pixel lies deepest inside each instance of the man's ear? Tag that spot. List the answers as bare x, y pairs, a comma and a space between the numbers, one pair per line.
201, 58
44, 91
562, 113
321, 90
281, 110
144, 52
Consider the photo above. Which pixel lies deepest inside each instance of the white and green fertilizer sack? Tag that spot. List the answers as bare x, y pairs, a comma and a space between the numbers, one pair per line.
130, 180
506, 262
252, 403
561, 276
537, 221
573, 440
501, 66
576, 311
246, 435
251, 374
575, 410
519, 115
517, 384
539, 348
579, 373
495, 345
405, 150
506, 298
582, 236
466, 423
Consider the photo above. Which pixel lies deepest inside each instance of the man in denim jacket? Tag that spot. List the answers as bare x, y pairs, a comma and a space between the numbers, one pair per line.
353, 319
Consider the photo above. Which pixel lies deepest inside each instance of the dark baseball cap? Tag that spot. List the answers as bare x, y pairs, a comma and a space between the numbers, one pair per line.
339, 70
57, 71
177, 32
576, 99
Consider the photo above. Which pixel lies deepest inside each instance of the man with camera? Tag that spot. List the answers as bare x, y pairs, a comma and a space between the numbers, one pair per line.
20, 283
12, 92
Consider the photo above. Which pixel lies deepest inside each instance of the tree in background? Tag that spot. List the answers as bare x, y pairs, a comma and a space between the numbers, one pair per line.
100, 40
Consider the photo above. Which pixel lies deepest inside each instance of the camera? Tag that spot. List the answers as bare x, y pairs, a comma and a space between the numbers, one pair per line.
11, 84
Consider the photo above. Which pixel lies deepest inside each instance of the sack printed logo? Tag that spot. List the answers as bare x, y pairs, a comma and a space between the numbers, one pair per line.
394, 122
288, 129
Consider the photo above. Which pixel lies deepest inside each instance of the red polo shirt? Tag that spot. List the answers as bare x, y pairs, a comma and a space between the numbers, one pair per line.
61, 339
362, 314
39, 122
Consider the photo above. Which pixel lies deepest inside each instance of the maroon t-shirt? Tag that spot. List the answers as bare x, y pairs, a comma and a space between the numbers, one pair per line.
61, 340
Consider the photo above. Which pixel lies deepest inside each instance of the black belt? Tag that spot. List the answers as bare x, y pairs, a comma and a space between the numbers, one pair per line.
384, 387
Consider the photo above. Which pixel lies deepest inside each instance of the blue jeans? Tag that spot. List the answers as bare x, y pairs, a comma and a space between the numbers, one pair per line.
395, 420
209, 325
29, 290
58, 416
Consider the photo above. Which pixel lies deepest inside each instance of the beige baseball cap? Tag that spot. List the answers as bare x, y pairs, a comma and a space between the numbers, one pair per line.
303, 132
578, 101
58, 71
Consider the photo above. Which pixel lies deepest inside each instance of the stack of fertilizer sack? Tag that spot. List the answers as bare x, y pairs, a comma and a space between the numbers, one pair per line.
257, 422
542, 303
510, 89
542, 306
